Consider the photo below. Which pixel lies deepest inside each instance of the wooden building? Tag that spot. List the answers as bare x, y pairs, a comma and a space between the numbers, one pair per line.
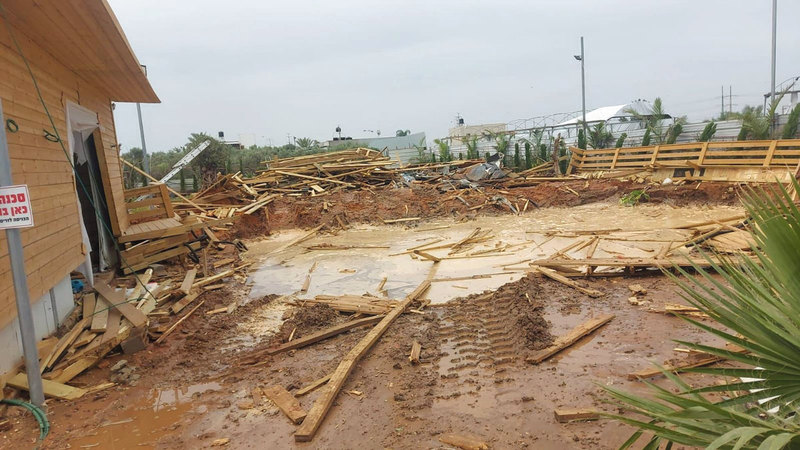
82, 62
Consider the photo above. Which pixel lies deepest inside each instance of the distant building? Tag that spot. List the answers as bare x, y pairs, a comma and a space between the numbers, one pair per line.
406, 149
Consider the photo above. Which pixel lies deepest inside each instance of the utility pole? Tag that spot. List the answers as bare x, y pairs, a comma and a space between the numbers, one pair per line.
774, 45
17, 259
581, 58
730, 99
722, 105
145, 159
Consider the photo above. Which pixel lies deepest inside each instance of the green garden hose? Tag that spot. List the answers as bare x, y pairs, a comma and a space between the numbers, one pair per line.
44, 425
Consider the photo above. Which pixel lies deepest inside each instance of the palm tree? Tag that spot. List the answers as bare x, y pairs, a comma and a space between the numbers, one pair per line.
599, 136
757, 302
306, 144
708, 132
654, 122
444, 150
472, 147
757, 124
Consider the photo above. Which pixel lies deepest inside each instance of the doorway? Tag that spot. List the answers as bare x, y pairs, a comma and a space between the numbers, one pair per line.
98, 242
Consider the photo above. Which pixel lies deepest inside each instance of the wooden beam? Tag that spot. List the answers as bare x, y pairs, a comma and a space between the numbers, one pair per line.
51, 388
188, 280
566, 415
180, 321
570, 338
323, 404
316, 337
312, 386
286, 402
117, 300
553, 275
416, 349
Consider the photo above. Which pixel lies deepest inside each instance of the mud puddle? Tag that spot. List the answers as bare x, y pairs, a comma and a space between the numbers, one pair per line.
142, 423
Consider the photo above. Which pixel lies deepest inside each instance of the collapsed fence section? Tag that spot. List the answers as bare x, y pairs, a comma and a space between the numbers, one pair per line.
714, 161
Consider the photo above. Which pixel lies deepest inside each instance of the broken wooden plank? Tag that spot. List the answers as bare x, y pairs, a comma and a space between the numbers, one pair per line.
64, 343
315, 337
89, 301
204, 281
570, 338
99, 317
317, 413
427, 256
184, 302
416, 349
188, 281
312, 386
117, 300
51, 388
307, 282
553, 275
566, 415
696, 360
286, 402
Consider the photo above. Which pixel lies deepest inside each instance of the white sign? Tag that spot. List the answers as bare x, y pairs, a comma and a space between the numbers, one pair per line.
15, 207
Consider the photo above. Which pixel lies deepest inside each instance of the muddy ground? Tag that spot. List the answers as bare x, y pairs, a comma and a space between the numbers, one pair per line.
198, 387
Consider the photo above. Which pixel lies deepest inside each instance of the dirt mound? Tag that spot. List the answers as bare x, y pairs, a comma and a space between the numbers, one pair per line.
386, 203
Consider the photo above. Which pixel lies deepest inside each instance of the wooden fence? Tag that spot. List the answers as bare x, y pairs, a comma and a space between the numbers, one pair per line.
769, 155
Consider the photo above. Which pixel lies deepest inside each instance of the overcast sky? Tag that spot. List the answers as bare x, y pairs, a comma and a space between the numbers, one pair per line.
272, 68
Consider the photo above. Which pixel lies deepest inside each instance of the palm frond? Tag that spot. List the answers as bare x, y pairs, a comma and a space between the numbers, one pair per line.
757, 302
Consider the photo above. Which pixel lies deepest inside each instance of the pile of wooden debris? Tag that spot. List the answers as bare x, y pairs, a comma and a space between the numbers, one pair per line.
115, 317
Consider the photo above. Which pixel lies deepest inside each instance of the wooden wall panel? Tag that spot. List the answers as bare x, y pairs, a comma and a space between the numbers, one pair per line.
53, 247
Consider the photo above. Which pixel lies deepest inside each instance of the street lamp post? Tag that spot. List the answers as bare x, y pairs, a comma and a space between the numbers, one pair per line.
583, 85
145, 159
774, 45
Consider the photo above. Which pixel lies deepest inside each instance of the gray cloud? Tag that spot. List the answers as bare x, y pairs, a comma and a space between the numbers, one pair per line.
303, 67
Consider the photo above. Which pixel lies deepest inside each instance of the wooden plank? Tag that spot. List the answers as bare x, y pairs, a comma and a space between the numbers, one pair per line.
65, 342
184, 302
117, 300
317, 413
188, 280
312, 386
553, 275
286, 402
89, 301
416, 349
427, 256
566, 415
204, 281
323, 334
698, 360
100, 316
75, 369
307, 282
51, 388
570, 338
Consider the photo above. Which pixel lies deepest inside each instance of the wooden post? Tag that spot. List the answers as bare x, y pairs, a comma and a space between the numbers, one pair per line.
614, 161
655, 155
702, 158
770, 153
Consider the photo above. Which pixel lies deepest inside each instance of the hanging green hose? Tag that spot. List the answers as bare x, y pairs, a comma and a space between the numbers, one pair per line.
44, 425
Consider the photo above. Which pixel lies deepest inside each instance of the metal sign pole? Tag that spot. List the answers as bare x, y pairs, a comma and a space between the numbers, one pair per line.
17, 258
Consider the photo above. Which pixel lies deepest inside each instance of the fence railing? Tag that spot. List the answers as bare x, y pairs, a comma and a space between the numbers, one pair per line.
737, 154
